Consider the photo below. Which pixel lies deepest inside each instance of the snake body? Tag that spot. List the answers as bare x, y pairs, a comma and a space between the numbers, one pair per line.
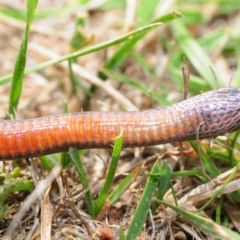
215, 112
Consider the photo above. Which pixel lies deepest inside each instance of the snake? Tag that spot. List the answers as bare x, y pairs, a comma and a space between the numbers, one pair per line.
207, 115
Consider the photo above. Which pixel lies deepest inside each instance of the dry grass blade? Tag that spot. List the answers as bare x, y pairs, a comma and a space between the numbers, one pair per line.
46, 217
38, 191
207, 190
233, 212
82, 73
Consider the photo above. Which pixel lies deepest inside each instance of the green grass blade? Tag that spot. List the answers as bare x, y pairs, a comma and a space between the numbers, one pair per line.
12, 185
146, 10
164, 179
4, 212
218, 192
48, 161
119, 56
18, 73
144, 63
195, 54
213, 39
13, 13
205, 225
73, 78
83, 177
110, 175
97, 47
186, 173
64, 155
208, 164
231, 151
134, 83
168, 17
219, 210
31, 7
143, 207
45, 13
121, 233
124, 184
